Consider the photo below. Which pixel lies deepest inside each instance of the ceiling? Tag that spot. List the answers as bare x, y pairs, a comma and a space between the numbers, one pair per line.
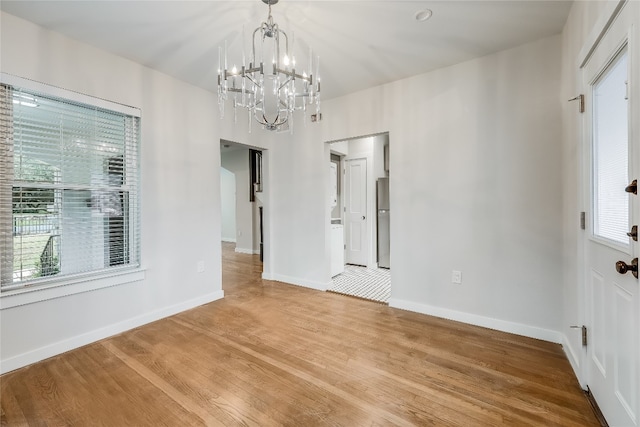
360, 43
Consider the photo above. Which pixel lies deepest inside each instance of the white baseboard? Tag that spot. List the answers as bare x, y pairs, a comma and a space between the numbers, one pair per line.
229, 239
24, 359
244, 251
319, 286
474, 319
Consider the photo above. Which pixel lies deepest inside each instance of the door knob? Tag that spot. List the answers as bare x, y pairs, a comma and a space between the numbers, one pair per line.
633, 233
633, 187
363, 217
622, 267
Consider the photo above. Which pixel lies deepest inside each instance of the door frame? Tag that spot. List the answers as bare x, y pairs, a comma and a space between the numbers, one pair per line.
371, 193
267, 262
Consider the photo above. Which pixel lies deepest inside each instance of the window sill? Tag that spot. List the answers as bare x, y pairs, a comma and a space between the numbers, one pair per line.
69, 286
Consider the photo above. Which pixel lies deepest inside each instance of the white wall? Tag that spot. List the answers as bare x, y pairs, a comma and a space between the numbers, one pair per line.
299, 190
180, 196
581, 20
238, 162
475, 186
228, 204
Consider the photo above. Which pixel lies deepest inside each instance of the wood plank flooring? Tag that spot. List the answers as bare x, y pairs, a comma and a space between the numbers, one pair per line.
272, 354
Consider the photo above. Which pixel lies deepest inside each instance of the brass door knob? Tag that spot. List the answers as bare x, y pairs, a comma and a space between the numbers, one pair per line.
633, 187
622, 267
633, 233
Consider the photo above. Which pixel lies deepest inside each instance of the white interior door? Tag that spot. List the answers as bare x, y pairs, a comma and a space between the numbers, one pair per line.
357, 238
613, 353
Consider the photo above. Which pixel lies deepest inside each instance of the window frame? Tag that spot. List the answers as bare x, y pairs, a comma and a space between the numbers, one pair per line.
594, 182
55, 287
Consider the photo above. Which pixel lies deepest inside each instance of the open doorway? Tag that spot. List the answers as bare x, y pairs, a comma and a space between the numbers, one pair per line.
242, 201
360, 228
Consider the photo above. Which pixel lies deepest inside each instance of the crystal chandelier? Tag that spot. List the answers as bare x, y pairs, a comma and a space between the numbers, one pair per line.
269, 87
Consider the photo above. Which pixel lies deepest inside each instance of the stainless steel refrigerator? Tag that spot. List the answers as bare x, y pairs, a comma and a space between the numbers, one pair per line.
383, 222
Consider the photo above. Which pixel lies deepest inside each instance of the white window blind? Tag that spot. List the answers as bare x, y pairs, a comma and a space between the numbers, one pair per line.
68, 189
610, 153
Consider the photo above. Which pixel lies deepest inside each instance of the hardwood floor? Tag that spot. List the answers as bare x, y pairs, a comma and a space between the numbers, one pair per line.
271, 354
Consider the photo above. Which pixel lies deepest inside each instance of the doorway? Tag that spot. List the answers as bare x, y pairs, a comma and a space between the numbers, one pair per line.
612, 165
242, 198
363, 166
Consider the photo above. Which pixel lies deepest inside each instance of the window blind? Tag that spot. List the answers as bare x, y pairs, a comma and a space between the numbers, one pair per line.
69, 188
610, 153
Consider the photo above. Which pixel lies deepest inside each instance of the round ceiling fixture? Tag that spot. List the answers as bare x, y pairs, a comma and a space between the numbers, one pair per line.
423, 15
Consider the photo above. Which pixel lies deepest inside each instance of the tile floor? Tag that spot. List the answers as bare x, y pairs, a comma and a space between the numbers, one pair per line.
368, 283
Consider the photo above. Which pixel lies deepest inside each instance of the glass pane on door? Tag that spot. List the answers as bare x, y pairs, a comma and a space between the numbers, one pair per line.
611, 152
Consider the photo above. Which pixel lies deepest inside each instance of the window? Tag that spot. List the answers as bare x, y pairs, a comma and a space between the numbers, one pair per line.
610, 153
68, 188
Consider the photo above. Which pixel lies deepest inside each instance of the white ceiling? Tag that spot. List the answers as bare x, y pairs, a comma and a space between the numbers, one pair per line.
361, 43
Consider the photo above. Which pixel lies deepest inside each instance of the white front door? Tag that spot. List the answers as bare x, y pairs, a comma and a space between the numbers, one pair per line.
611, 82
356, 221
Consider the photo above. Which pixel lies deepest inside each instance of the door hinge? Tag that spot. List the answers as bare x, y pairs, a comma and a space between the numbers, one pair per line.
583, 220
626, 90
581, 103
584, 333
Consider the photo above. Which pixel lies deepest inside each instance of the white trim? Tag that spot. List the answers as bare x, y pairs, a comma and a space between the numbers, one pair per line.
69, 286
93, 101
247, 251
474, 319
319, 286
59, 347
598, 31
229, 240
244, 251
610, 243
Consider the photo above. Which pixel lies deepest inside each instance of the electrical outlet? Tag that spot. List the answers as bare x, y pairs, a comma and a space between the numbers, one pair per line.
200, 267
456, 277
